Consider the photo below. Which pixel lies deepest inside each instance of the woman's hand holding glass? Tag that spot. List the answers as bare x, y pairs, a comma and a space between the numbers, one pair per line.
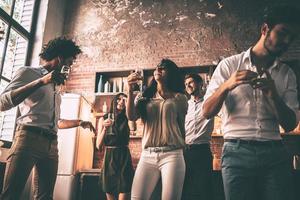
133, 79
107, 123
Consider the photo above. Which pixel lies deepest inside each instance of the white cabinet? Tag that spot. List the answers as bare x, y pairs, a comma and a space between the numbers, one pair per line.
75, 146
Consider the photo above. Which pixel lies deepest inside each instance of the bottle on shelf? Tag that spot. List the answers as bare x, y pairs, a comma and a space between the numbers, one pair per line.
100, 84
104, 107
121, 84
114, 86
106, 87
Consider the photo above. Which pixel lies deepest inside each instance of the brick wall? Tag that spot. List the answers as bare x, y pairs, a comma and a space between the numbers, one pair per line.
120, 35
135, 147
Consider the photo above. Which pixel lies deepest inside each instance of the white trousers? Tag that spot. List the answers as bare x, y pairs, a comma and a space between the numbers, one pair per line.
169, 166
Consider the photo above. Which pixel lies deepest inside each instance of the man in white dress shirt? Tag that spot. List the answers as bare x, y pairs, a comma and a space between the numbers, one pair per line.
197, 156
255, 93
35, 93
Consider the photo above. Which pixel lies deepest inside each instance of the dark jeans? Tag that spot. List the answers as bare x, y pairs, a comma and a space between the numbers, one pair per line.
31, 150
260, 172
198, 176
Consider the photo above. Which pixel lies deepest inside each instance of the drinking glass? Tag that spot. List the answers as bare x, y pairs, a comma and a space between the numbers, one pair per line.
140, 72
112, 119
65, 70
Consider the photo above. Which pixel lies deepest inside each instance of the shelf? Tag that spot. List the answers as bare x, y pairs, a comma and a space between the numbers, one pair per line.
107, 93
99, 94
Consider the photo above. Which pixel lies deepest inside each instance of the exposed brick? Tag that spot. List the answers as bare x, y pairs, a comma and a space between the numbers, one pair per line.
116, 36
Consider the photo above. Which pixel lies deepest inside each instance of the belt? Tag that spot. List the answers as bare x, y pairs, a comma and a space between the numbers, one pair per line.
197, 146
114, 147
255, 142
161, 149
39, 131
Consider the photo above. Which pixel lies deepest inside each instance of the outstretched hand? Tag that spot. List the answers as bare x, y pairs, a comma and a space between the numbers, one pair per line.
87, 124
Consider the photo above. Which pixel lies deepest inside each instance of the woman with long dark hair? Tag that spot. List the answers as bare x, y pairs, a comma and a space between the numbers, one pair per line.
162, 107
117, 170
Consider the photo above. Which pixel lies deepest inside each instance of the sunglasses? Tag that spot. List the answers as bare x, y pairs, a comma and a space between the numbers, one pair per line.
161, 67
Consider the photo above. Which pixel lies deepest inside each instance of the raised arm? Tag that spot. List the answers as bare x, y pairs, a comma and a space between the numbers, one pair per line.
213, 103
131, 112
18, 89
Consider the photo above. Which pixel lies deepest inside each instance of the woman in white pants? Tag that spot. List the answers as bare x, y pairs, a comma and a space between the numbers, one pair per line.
162, 107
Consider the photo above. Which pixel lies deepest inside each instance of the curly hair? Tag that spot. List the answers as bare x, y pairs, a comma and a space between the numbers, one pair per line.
61, 47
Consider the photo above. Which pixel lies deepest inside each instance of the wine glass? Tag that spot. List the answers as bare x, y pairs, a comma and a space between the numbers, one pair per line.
112, 119
65, 71
140, 72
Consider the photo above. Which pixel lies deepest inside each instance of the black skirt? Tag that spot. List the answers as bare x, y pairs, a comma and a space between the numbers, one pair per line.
117, 170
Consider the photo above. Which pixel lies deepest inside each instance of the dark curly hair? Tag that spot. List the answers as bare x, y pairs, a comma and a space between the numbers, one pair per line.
61, 47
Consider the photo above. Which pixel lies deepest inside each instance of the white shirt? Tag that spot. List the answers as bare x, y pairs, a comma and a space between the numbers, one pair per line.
197, 129
41, 108
246, 113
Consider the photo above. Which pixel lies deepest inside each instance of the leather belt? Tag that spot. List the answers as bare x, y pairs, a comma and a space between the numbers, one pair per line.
161, 149
39, 131
197, 146
115, 147
255, 142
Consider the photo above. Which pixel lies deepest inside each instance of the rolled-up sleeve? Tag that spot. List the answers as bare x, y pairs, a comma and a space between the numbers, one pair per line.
5, 101
220, 75
18, 80
290, 94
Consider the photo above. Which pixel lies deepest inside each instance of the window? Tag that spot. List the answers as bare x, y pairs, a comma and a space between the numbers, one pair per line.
16, 36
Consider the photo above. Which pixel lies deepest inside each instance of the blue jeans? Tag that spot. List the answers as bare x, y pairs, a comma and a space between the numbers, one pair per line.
31, 150
252, 171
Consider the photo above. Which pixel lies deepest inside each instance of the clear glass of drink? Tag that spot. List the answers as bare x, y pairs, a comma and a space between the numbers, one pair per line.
65, 70
140, 72
112, 119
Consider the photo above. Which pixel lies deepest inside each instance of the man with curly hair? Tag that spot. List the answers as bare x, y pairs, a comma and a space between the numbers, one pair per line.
34, 91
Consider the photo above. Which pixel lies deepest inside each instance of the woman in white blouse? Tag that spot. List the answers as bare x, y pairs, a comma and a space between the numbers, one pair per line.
162, 107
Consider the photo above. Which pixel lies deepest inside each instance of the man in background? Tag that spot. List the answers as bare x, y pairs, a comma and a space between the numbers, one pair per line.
198, 158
